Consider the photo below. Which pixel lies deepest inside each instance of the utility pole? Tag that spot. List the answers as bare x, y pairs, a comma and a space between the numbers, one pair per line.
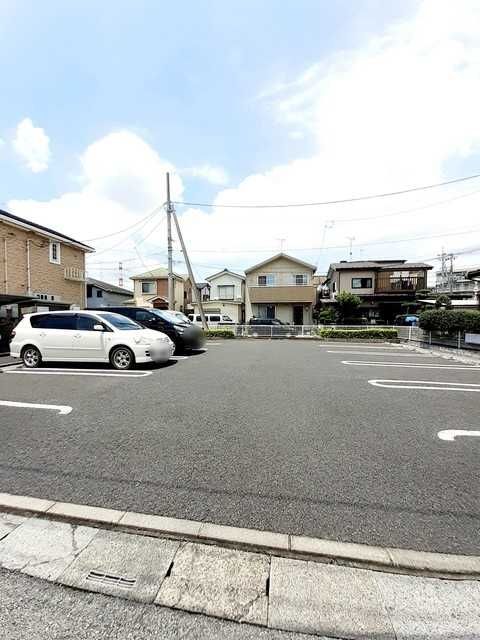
451, 258
171, 301
120, 274
196, 292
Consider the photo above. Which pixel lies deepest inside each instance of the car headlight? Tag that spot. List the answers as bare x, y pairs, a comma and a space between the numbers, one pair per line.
144, 341
180, 329
164, 338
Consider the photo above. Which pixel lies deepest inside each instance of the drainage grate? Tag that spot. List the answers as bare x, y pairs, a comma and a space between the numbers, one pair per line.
109, 579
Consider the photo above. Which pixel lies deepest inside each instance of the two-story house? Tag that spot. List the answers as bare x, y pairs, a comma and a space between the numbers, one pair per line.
226, 295
151, 289
104, 294
39, 267
382, 285
281, 287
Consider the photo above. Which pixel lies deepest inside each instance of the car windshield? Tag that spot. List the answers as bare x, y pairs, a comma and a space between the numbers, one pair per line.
120, 322
171, 316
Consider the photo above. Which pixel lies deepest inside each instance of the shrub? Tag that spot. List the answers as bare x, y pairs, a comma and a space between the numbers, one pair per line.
347, 304
449, 320
443, 301
219, 333
359, 334
327, 316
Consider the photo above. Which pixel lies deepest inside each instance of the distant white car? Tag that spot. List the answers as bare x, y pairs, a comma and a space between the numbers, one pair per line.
87, 336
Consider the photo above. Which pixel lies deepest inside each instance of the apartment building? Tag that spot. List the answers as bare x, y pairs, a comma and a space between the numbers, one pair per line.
39, 268
281, 287
382, 285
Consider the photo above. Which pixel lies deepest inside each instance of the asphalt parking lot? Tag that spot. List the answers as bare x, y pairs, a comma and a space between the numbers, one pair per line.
332, 440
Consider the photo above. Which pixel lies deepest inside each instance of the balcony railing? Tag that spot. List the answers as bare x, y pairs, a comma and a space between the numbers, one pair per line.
279, 279
74, 273
387, 283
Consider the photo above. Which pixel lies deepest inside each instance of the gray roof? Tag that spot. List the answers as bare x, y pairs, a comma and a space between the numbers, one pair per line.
219, 273
379, 264
281, 255
155, 273
106, 286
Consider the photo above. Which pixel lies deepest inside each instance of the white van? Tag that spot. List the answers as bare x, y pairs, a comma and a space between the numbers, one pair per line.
211, 318
86, 336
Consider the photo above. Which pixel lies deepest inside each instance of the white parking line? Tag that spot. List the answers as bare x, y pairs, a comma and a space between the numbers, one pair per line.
386, 353
80, 372
62, 409
179, 357
340, 345
403, 365
451, 434
430, 385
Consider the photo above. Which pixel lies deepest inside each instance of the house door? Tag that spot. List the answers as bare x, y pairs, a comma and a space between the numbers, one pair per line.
298, 314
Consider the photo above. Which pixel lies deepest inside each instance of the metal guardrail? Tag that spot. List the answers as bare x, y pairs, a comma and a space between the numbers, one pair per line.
454, 339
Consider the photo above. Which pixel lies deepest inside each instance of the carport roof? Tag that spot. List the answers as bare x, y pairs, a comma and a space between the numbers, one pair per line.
7, 298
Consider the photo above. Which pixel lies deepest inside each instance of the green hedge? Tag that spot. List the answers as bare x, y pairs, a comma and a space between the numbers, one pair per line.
449, 320
219, 333
358, 334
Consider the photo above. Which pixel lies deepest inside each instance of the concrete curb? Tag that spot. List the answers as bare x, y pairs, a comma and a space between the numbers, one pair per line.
389, 560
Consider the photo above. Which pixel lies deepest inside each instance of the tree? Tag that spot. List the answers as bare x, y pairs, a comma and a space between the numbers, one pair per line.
327, 316
443, 300
347, 305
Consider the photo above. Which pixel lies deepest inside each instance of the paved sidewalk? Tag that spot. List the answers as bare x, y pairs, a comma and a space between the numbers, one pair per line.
242, 586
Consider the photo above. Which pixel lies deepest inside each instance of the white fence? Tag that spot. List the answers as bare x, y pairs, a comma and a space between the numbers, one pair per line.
288, 330
455, 340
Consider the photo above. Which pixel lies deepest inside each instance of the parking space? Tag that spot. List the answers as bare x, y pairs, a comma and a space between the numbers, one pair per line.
277, 435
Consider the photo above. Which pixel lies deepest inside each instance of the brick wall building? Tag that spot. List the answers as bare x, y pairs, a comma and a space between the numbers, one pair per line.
39, 266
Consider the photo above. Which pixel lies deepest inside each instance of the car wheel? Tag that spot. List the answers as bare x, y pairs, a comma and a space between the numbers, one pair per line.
31, 357
122, 358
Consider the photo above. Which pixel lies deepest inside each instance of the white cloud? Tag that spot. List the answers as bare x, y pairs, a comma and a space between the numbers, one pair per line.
215, 175
33, 145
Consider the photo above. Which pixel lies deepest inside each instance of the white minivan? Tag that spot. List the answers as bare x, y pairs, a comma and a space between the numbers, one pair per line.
87, 336
212, 318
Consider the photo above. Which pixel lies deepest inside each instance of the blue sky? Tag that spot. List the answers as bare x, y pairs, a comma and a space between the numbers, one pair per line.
246, 87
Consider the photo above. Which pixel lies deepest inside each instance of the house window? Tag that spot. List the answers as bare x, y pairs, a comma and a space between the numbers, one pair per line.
265, 311
300, 278
55, 252
226, 291
361, 283
148, 287
334, 286
99, 293
267, 280
89, 290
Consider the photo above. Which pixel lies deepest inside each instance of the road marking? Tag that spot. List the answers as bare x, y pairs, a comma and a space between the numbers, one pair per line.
62, 409
403, 365
386, 353
179, 357
451, 434
359, 344
79, 372
430, 385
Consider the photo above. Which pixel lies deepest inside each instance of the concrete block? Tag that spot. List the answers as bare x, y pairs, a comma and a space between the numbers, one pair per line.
250, 537
42, 548
24, 503
325, 599
425, 608
85, 512
161, 524
120, 564
8, 522
218, 582
342, 550
440, 563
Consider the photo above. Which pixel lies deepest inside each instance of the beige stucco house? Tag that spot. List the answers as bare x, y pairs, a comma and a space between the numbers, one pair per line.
39, 267
226, 295
281, 287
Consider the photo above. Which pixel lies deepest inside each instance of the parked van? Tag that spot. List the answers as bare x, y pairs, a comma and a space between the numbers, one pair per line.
211, 318
86, 336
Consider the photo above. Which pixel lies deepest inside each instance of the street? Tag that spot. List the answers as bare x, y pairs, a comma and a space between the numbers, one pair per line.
338, 441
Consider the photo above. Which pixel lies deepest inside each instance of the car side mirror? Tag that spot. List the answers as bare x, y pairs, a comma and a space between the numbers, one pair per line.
98, 327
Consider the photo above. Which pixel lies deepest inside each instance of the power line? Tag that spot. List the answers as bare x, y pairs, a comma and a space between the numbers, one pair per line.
116, 233
98, 253
341, 246
328, 202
